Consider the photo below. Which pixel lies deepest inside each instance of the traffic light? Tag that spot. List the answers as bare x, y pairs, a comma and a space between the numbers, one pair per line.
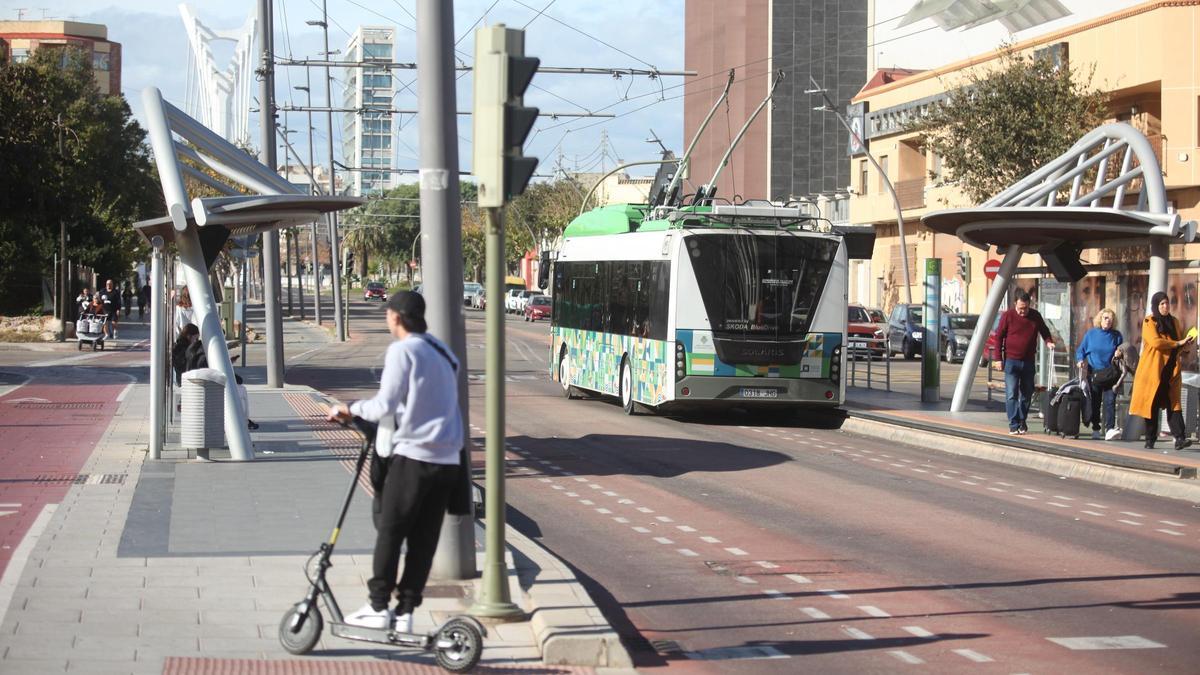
964, 266
502, 121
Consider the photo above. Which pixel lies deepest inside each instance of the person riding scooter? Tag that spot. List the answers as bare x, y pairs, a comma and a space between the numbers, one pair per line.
422, 461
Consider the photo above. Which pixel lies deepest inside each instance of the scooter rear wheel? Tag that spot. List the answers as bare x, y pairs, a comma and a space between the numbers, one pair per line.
302, 641
458, 646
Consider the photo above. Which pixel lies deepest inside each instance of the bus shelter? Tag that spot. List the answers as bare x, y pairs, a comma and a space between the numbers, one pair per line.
255, 200
1075, 202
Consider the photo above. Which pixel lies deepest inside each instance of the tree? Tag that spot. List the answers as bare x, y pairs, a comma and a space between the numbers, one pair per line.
100, 183
1003, 124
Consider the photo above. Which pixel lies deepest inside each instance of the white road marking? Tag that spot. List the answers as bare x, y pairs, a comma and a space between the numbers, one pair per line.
641, 530
1096, 506
610, 493
835, 594
857, 634
1061, 506
1172, 523
685, 528
798, 578
1130, 522
710, 540
874, 611
973, 655
976, 477
1095, 513
776, 595
839, 451
766, 565
917, 631
1000, 482
545, 480
737, 653
582, 479
687, 552
920, 470
558, 487
1065, 499
898, 466
626, 501
572, 494
124, 392
996, 489
645, 509
663, 540
745, 580
20, 556
663, 519
1027, 497
10, 388
1107, 642
968, 482
1173, 533
875, 459
604, 511
621, 520
587, 502
1132, 514
814, 612
736, 551
906, 657
1036, 492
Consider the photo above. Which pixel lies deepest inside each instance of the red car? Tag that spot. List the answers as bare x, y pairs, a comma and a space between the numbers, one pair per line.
375, 291
538, 307
865, 336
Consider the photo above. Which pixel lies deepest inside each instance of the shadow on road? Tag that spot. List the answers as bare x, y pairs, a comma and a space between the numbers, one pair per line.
648, 455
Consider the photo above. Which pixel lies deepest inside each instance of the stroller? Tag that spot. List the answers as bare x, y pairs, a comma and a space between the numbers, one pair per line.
90, 328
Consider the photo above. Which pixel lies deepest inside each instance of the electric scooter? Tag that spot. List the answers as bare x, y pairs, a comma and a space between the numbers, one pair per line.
457, 644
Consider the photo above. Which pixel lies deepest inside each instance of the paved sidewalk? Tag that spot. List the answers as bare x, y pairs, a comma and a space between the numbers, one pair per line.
982, 430
180, 565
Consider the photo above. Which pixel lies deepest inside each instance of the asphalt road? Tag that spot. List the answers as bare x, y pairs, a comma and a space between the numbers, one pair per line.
747, 543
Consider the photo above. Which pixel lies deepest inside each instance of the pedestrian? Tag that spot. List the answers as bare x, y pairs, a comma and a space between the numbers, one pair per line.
111, 298
194, 356
84, 300
184, 312
126, 298
422, 462
1095, 358
179, 351
1157, 382
1016, 338
143, 297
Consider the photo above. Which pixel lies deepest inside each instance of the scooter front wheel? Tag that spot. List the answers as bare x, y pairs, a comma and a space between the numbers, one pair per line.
458, 646
303, 640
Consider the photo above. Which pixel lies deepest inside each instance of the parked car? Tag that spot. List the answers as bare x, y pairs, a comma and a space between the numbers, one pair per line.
905, 330
877, 316
375, 291
470, 288
864, 336
510, 300
955, 334
538, 307
991, 349
523, 299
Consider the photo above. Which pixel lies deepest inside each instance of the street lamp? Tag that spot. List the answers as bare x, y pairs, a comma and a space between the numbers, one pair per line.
829, 107
314, 189
334, 263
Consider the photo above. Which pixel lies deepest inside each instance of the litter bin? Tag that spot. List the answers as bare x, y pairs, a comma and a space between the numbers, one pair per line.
1190, 398
202, 418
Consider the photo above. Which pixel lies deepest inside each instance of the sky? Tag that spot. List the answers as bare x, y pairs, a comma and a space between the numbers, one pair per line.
619, 34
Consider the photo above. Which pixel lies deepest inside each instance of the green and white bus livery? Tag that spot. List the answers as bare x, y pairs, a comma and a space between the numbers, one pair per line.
702, 306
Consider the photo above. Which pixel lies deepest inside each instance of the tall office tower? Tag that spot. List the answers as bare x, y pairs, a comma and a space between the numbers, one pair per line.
791, 151
367, 131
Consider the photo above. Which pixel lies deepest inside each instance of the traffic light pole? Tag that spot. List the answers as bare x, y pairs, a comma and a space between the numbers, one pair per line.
441, 234
270, 240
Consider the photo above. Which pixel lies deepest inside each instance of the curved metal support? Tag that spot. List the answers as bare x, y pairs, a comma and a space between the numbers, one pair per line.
966, 375
591, 192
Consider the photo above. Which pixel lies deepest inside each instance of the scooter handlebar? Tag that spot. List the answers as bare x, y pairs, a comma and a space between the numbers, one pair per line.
366, 428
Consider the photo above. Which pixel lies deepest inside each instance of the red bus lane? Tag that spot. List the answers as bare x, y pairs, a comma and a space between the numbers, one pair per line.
48, 429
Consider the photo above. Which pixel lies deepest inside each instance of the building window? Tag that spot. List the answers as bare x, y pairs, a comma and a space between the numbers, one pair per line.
935, 169
375, 50
100, 61
883, 172
862, 177
20, 55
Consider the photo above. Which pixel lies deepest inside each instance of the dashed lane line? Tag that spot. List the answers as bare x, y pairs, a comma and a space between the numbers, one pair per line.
972, 655
906, 657
1130, 522
814, 613
917, 631
1106, 642
835, 594
874, 611
800, 579
857, 634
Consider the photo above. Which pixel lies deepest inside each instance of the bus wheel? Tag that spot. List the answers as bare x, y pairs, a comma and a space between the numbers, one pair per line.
627, 403
564, 375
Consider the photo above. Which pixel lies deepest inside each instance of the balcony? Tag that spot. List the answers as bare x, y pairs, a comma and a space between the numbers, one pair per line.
911, 193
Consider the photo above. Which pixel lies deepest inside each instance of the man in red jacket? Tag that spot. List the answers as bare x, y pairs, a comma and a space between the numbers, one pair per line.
1016, 337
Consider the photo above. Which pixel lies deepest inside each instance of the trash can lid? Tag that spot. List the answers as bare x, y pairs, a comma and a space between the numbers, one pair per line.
207, 374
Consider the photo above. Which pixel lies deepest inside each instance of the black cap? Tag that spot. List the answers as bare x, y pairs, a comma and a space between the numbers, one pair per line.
408, 303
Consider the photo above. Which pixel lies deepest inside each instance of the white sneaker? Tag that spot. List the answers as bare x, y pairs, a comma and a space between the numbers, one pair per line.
1112, 433
367, 617
403, 623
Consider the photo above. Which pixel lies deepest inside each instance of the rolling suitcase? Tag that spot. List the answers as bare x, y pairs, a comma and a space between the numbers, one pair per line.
1070, 413
1050, 411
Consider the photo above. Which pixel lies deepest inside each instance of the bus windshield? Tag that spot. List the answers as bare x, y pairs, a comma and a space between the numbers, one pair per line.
764, 285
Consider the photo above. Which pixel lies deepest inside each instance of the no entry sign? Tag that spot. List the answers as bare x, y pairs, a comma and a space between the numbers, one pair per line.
991, 268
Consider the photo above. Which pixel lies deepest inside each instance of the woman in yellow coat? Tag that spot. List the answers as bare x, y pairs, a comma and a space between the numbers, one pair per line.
1158, 379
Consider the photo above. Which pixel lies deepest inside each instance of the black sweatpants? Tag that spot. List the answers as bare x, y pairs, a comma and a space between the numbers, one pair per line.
409, 510
1162, 400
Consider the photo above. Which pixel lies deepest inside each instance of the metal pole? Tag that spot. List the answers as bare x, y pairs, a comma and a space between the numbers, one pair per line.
1160, 251
158, 344
299, 270
270, 248
245, 288
334, 263
886, 181
315, 189
966, 376
494, 598
441, 229
931, 391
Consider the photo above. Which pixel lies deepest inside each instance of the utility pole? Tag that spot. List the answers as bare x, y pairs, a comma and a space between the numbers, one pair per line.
316, 190
334, 263
288, 235
63, 278
266, 97
441, 232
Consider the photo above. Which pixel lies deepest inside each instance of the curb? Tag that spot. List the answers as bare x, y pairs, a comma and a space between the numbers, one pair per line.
568, 627
1127, 479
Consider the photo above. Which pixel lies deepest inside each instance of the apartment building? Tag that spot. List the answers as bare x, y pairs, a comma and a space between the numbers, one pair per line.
20, 39
367, 131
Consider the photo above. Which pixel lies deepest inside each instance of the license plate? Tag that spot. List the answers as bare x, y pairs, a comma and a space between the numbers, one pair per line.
751, 392
858, 344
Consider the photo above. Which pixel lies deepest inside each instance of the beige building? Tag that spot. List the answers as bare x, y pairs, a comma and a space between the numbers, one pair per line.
20, 39
619, 188
1145, 58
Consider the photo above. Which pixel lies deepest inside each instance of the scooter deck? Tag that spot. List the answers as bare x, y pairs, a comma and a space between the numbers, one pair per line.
380, 635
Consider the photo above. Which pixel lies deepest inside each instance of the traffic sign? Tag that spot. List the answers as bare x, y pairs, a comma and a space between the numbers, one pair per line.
991, 268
